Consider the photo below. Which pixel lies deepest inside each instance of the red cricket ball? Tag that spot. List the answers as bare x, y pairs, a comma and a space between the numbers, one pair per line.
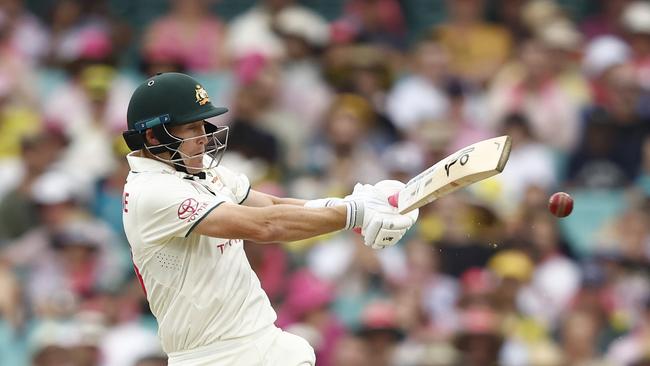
560, 204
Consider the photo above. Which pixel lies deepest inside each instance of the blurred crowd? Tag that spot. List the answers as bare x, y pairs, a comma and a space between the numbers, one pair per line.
486, 277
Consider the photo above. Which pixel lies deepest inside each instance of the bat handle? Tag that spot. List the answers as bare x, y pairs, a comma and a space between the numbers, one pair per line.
393, 199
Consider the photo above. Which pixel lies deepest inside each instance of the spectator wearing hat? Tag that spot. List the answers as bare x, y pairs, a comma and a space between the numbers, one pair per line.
602, 56
56, 200
18, 213
380, 331
621, 110
73, 341
479, 339
636, 25
51, 347
565, 44
131, 341
253, 32
513, 269
478, 286
304, 37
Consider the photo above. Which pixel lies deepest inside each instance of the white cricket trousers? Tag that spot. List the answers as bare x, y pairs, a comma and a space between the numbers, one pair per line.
271, 347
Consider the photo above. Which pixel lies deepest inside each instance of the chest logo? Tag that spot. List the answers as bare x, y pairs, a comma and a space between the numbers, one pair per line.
187, 208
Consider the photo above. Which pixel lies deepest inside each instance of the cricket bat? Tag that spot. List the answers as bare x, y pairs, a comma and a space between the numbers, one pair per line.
464, 167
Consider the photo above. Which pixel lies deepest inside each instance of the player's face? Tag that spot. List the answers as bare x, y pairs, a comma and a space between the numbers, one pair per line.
194, 147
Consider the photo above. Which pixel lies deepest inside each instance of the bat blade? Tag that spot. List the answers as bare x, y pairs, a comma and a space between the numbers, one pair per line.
469, 165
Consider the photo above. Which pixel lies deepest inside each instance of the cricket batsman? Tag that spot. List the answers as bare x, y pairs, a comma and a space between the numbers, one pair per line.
185, 218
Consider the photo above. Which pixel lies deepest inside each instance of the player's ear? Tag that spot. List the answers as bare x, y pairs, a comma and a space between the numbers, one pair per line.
150, 138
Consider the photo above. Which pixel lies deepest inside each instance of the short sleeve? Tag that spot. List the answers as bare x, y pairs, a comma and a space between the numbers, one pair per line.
237, 183
172, 209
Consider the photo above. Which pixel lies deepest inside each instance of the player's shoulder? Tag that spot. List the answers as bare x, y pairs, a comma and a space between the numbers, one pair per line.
154, 184
152, 178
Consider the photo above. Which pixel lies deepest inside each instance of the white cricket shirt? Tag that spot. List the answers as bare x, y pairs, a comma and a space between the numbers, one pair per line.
200, 289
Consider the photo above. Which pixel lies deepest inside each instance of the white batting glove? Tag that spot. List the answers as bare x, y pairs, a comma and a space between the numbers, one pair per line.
381, 225
390, 187
325, 202
354, 209
384, 230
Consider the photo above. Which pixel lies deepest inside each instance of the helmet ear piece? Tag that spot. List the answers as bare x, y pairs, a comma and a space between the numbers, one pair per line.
168, 142
134, 139
163, 135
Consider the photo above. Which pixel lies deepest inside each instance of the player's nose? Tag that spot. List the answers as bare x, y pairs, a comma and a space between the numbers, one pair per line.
202, 140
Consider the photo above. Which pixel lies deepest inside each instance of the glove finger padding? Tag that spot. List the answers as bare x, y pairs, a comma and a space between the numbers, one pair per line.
390, 187
385, 230
386, 238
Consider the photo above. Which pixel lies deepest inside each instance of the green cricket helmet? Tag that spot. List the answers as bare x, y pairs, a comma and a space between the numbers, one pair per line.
173, 99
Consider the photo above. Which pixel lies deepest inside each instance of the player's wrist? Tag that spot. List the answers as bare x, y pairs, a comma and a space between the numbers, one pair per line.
355, 210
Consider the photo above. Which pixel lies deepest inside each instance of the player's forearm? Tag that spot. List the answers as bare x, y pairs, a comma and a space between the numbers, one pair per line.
285, 223
288, 201
275, 223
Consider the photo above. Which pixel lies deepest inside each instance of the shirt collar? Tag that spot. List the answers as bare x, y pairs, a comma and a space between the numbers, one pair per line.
140, 164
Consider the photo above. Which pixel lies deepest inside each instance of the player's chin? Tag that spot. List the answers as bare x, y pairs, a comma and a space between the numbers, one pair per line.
195, 163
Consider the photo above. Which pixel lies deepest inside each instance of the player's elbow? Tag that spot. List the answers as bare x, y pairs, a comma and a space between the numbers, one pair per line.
266, 232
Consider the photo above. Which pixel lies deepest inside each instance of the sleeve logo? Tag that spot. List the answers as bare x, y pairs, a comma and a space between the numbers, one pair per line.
187, 208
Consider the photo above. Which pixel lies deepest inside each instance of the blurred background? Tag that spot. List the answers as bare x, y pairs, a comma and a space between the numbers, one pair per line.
324, 94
